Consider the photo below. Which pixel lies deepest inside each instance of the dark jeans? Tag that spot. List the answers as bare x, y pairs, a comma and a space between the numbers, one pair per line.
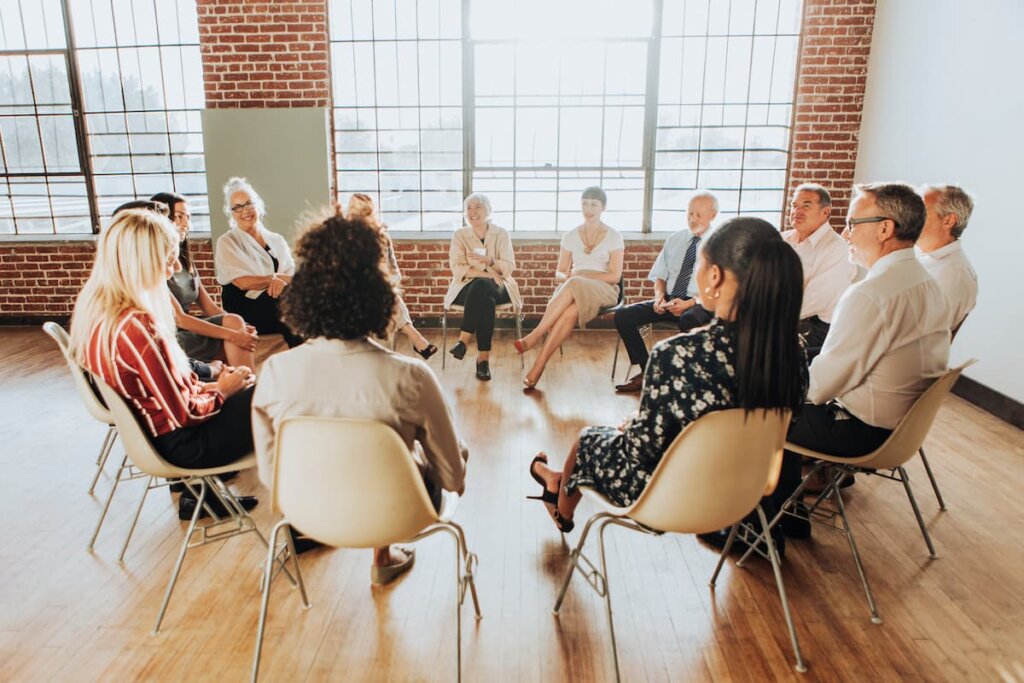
829, 429
630, 319
261, 312
221, 440
480, 297
813, 331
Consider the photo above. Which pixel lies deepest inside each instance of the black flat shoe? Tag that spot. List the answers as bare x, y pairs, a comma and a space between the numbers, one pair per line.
187, 505
427, 352
304, 544
458, 351
483, 371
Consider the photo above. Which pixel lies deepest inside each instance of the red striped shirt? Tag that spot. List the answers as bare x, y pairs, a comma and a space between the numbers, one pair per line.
141, 370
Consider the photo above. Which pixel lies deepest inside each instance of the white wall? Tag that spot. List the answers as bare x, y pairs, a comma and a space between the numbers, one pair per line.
945, 103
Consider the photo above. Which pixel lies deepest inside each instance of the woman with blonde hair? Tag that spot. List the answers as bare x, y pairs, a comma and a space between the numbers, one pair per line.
361, 207
123, 331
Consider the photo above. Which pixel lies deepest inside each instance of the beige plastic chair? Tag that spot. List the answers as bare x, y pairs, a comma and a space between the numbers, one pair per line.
354, 484
886, 461
143, 455
517, 315
714, 473
89, 398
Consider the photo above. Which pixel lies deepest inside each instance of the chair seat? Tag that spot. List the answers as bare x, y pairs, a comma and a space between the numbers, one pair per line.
604, 503
244, 463
499, 307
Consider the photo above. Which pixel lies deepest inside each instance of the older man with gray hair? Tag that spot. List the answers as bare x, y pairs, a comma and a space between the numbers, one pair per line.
938, 248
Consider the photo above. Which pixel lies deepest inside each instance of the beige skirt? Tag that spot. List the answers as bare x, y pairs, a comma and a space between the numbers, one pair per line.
589, 294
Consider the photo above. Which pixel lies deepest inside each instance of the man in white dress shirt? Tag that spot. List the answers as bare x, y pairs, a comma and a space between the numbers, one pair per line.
823, 254
888, 341
675, 288
938, 248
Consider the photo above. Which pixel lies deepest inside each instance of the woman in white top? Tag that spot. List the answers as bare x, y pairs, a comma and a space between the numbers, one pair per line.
482, 264
590, 262
253, 264
360, 207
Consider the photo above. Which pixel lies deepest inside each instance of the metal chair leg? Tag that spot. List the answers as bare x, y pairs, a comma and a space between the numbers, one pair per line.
931, 477
444, 337
773, 554
110, 497
574, 556
101, 459
834, 484
608, 599
917, 512
725, 552
268, 576
519, 335
135, 519
615, 358
200, 501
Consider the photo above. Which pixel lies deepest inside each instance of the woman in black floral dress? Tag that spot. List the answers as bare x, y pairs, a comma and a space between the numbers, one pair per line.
747, 357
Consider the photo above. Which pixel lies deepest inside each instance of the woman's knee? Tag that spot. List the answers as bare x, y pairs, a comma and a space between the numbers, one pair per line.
233, 321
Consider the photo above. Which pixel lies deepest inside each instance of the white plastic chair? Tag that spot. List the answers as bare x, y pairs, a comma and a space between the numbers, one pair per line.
89, 398
517, 314
714, 473
354, 484
886, 461
143, 455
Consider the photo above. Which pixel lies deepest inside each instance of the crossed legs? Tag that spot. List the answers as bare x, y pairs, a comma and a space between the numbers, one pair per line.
559, 320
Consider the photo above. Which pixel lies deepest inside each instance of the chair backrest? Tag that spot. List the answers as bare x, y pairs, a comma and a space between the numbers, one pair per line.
348, 483
136, 443
86, 391
909, 435
715, 471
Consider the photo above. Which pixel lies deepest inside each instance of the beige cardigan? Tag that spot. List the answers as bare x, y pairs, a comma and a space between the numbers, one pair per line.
499, 247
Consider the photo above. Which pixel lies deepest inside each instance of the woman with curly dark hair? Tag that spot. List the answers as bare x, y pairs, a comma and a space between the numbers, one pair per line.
341, 297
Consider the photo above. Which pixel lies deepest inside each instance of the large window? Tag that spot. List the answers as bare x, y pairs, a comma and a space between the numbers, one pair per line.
99, 104
531, 101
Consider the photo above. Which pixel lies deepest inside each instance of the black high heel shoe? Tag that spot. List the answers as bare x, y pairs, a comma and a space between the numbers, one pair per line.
547, 496
429, 351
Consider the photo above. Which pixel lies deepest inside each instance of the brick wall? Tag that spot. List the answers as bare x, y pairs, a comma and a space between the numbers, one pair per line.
831, 76
264, 54
41, 280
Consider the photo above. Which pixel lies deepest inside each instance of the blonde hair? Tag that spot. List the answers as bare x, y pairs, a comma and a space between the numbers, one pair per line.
129, 274
361, 206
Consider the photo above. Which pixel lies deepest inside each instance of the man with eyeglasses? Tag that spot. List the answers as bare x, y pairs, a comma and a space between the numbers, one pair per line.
888, 341
827, 270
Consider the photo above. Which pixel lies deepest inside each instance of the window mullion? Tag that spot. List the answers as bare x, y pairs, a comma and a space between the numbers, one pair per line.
651, 113
78, 117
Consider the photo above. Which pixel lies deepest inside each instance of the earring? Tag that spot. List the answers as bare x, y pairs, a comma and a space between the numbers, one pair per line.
707, 290
716, 294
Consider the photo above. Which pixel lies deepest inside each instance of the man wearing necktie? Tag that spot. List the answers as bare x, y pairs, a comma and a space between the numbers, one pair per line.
675, 288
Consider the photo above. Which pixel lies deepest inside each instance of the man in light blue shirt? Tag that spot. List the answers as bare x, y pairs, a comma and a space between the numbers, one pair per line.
675, 288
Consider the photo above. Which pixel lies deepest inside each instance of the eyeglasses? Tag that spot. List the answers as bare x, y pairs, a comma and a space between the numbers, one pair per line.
850, 222
239, 208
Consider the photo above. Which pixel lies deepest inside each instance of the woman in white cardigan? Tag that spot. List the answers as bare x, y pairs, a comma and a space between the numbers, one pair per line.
482, 264
253, 264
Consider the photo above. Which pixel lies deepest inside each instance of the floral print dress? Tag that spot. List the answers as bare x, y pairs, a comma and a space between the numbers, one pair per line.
686, 377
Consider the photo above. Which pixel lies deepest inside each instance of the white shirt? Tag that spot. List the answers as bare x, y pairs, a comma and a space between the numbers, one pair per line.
597, 260
238, 254
670, 261
827, 270
889, 339
957, 279
363, 380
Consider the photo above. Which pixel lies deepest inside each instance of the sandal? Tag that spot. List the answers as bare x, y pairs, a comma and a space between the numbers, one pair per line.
564, 525
429, 351
539, 458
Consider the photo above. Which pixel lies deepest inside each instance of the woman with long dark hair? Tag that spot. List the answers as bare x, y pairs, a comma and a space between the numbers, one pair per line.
748, 357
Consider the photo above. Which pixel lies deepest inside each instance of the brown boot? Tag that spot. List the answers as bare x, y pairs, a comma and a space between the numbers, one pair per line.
634, 385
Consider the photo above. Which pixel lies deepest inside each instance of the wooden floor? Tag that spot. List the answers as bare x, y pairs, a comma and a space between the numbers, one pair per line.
68, 614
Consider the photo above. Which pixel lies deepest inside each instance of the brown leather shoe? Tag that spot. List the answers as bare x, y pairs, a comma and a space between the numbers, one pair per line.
634, 385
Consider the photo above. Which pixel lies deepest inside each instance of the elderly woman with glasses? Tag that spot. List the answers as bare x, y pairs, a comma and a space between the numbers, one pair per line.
253, 264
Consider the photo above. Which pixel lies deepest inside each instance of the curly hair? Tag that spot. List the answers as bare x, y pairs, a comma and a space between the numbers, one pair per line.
340, 289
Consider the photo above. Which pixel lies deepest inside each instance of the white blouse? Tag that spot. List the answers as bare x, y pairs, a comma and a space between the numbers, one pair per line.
238, 254
598, 259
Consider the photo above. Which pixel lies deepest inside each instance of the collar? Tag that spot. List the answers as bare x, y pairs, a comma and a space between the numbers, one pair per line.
889, 261
361, 345
793, 236
943, 252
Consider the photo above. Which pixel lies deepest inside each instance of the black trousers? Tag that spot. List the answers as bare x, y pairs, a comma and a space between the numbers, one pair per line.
630, 319
813, 331
480, 297
221, 440
261, 312
829, 429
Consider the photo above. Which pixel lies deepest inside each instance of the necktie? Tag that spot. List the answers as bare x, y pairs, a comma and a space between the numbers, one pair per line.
683, 279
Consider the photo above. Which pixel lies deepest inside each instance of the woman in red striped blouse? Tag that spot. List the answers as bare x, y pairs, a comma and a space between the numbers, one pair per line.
123, 331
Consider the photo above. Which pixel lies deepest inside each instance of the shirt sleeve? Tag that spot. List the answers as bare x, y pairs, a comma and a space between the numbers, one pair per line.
504, 258
659, 271
832, 274
856, 341
457, 258
445, 454
229, 261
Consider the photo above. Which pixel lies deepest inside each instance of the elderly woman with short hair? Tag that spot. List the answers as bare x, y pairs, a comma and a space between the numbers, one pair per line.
253, 264
482, 263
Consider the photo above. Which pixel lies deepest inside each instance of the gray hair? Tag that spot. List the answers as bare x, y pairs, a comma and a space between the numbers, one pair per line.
478, 197
704, 194
952, 201
824, 198
901, 204
237, 184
